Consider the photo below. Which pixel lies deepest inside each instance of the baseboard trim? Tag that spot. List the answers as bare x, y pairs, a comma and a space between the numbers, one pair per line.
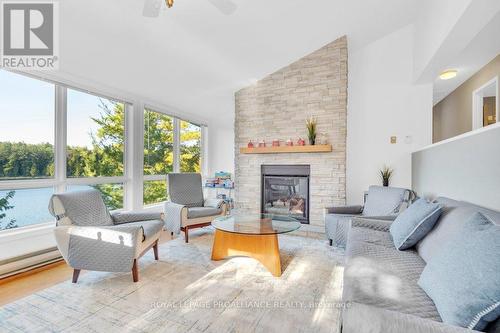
21, 264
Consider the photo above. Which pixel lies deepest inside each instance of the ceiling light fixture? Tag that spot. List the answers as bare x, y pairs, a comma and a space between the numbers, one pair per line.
448, 74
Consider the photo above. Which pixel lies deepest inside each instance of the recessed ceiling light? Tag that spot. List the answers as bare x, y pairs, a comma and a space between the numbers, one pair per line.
448, 74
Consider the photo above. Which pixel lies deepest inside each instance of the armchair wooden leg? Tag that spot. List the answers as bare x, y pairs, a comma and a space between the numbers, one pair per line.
76, 274
186, 236
135, 271
155, 250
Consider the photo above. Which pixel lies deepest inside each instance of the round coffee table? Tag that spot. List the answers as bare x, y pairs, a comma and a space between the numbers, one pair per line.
254, 236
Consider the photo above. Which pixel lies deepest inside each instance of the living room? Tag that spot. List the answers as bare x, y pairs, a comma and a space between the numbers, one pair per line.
243, 166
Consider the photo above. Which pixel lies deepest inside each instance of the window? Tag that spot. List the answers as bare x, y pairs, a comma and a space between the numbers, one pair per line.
155, 191
158, 155
23, 207
158, 143
190, 147
27, 127
96, 133
39, 156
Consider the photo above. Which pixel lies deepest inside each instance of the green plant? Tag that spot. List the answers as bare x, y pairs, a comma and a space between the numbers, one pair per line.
311, 130
386, 174
4, 206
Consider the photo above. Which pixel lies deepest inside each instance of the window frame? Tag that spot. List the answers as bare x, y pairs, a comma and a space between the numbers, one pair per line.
133, 178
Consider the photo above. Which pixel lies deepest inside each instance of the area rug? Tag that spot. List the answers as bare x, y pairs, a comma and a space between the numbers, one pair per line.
187, 292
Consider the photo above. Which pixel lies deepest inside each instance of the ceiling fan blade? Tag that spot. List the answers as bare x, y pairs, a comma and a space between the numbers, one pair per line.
226, 7
152, 8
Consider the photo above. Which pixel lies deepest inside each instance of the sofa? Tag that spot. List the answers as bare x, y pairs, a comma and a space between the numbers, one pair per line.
380, 292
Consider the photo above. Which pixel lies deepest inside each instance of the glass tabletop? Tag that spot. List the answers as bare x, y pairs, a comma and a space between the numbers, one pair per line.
256, 224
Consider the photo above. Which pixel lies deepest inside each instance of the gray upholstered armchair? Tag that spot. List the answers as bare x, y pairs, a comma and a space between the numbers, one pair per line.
187, 209
383, 203
91, 238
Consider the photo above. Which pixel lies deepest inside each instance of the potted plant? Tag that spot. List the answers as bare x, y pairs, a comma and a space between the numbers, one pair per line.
386, 174
311, 130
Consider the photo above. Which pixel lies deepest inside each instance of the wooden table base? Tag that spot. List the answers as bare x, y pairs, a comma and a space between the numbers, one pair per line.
263, 248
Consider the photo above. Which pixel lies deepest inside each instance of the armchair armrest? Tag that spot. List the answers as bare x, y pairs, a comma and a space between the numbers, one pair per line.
135, 216
107, 248
344, 210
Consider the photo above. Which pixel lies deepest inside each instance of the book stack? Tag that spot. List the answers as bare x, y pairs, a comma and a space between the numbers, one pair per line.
222, 179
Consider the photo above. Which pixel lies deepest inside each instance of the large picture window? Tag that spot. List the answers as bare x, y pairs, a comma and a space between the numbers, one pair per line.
190, 147
96, 136
158, 155
27, 127
63, 139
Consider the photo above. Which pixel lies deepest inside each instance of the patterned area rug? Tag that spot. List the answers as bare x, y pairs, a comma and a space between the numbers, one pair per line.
187, 292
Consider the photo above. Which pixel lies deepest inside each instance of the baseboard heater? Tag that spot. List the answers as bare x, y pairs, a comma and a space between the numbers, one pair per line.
27, 262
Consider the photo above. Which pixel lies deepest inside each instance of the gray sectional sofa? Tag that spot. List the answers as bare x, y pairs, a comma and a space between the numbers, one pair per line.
380, 282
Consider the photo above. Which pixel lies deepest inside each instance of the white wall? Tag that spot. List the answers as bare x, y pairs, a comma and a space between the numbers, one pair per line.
220, 148
434, 22
443, 29
383, 102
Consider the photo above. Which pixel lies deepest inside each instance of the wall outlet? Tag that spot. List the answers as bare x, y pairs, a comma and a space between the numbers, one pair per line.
394, 139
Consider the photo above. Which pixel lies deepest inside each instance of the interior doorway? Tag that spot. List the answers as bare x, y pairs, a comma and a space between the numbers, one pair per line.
485, 108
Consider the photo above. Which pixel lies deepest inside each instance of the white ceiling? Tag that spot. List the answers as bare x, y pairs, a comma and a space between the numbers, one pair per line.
193, 58
484, 48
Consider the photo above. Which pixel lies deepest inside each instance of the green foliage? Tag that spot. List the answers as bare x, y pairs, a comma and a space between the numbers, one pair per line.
105, 157
21, 160
386, 174
5, 206
311, 129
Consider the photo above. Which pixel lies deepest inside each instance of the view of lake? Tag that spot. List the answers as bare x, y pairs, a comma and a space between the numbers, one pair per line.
30, 206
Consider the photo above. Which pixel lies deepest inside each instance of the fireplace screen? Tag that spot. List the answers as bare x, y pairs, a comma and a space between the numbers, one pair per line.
285, 191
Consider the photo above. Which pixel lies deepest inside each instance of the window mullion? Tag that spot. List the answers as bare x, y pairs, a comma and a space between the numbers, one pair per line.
177, 144
60, 137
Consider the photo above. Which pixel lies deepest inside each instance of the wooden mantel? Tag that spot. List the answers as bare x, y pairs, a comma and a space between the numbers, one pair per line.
287, 149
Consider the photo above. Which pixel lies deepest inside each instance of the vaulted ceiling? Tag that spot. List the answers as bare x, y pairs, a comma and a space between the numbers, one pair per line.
193, 57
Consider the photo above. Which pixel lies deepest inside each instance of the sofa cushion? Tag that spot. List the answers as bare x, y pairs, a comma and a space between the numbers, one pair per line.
414, 223
377, 274
195, 212
464, 278
382, 201
454, 215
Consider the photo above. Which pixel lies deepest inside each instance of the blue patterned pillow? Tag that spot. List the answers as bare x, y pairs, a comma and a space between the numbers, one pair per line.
463, 279
414, 223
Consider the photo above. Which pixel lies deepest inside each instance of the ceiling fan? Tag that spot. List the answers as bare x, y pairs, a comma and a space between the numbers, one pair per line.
152, 7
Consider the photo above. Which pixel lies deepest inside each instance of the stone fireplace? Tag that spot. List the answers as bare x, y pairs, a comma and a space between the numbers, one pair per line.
285, 191
276, 107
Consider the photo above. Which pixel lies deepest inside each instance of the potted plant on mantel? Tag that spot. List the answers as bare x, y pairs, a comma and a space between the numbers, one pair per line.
311, 130
386, 174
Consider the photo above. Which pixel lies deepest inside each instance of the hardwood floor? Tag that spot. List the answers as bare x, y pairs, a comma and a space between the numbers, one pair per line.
26, 283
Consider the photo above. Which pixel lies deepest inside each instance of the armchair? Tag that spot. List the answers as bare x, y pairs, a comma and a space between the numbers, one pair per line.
91, 238
382, 203
187, 209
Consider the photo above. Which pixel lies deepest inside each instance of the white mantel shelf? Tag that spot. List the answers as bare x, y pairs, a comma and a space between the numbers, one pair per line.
287, 149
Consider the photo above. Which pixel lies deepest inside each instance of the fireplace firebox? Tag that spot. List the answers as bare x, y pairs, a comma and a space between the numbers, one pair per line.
285, 190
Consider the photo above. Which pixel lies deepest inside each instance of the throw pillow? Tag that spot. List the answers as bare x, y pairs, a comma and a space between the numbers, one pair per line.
414, 223
463, 279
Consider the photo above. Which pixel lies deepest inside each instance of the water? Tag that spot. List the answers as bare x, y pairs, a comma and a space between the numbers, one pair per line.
30, 206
